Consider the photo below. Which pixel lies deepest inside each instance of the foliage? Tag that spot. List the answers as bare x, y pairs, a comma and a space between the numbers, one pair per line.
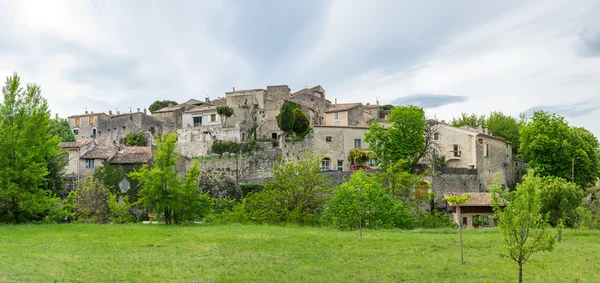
435, 219
160, 104
220, 147
399, 183
134, 139
27, 147
251, 188
225, 111
91, 201
589, 212
362, 203
60, 127
553, 148
521, 221
506, 127
472, 120
163, 191
119, 209
403, 140
285, 119
387, 107
301, 123
560, 200
110, 176
224, 186
359, 156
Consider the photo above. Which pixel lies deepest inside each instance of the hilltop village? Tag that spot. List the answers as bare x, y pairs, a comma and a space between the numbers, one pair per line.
472, 157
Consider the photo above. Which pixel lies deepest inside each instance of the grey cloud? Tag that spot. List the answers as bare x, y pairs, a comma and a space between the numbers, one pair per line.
589, 44
566, 110
429, 100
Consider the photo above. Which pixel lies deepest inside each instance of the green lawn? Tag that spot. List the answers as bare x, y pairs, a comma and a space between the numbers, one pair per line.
158, 253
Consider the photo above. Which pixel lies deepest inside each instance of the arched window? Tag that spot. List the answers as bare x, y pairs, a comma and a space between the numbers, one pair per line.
325, 164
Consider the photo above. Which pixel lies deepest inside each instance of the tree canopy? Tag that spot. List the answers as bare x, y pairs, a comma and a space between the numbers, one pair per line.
554, 148
301, 123
60, 127
134, 139
285, 119
471, 120
159, 104
506, 127
403, 140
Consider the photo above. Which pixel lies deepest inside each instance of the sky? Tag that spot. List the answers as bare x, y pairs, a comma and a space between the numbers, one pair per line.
445, 56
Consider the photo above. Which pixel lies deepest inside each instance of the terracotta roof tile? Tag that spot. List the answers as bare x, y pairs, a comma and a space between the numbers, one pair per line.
99, 152
341, 107
169, 108
78, 144
132, 155
201, 109
477, 199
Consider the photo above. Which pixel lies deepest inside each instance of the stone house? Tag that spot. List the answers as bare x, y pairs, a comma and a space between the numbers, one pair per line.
73, 152
171, 116
113, 130
258, 108
475, 154
85, 126
371, 112
312, 96
311, 109
333, 142
475, 212
345, 114
201, 116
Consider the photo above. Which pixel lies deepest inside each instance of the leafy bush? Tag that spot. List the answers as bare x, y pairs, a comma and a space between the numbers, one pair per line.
251, 188
301, 122
134, 139
119, 210
362, 203
436, 219
91, 201
219, 147
160, 104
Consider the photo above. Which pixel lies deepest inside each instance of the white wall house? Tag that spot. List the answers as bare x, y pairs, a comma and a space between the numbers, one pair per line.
201, 116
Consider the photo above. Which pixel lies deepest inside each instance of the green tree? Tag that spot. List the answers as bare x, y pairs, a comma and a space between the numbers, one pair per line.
60, 127
225, 111
387, 107
26, 146
285, 119
403, 140
553, 148
162, 190
91, 201
521, 220
362, 203
110, 176
358, 156
301, 123
506, 127
560, 200
159, 104
458, 201
134, 139
472, 120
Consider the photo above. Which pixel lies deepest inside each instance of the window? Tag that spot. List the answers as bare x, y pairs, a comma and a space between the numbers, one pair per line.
464, 221
486, 150
213, 117
197, 121
436, 136
124, 128
93, 133
77, 121
325, 164
480, 141
340, 166
151, 130
335, 115
455, 150
76, 131
274, 136
328, 139
92, 120
372, 162
357, 143
89, 163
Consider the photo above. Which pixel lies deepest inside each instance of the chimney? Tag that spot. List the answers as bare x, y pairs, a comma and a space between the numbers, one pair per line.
109, 112
207, 99
233, 89
86, 111
144, 110
138, 110
335, 101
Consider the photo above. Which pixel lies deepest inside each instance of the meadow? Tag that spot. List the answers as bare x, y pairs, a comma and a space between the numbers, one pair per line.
251, 253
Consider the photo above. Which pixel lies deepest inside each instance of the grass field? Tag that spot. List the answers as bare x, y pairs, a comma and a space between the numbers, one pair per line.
158, 253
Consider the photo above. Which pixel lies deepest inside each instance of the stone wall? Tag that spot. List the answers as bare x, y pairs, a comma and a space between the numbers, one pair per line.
197, 141
452, 183
356, 116
114, 130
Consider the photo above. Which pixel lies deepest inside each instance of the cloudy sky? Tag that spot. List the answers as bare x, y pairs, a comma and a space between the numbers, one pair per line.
447, 56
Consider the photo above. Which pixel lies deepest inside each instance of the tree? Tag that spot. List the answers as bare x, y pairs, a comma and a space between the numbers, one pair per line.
225, 111
472, 120
403, 140
521, 220
362, 203
162, 190
285, 119
159, 104
26, 146
387, 107
301, 123
296, 194
400, 183
506, 127
91, 201
110, 176
60, 127
458, 201
134, 139
358, 156
560, 200
553, 148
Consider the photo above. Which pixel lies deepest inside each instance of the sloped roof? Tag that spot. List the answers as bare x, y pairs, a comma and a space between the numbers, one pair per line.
202, 109
371, 106
194, 102
132, 155
169, 108
341, 107
477, 199
75, 145
301, 103
99, 152
87, 115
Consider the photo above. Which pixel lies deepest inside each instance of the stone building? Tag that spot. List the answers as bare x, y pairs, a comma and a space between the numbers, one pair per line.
113, 130
475, 212
345, 114
85, 126
201, 116
371, 112
171, 116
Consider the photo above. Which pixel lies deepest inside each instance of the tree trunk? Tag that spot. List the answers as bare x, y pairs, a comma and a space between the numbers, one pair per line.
460, 229
360, 225
520, 272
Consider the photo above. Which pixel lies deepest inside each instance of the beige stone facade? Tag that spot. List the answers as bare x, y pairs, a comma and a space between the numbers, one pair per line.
345, 114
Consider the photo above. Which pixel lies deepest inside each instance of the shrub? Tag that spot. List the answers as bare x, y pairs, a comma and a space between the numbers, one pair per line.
119, 210
219, 147
251, 188
91, 201
436, 219
301, 122
134, 139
